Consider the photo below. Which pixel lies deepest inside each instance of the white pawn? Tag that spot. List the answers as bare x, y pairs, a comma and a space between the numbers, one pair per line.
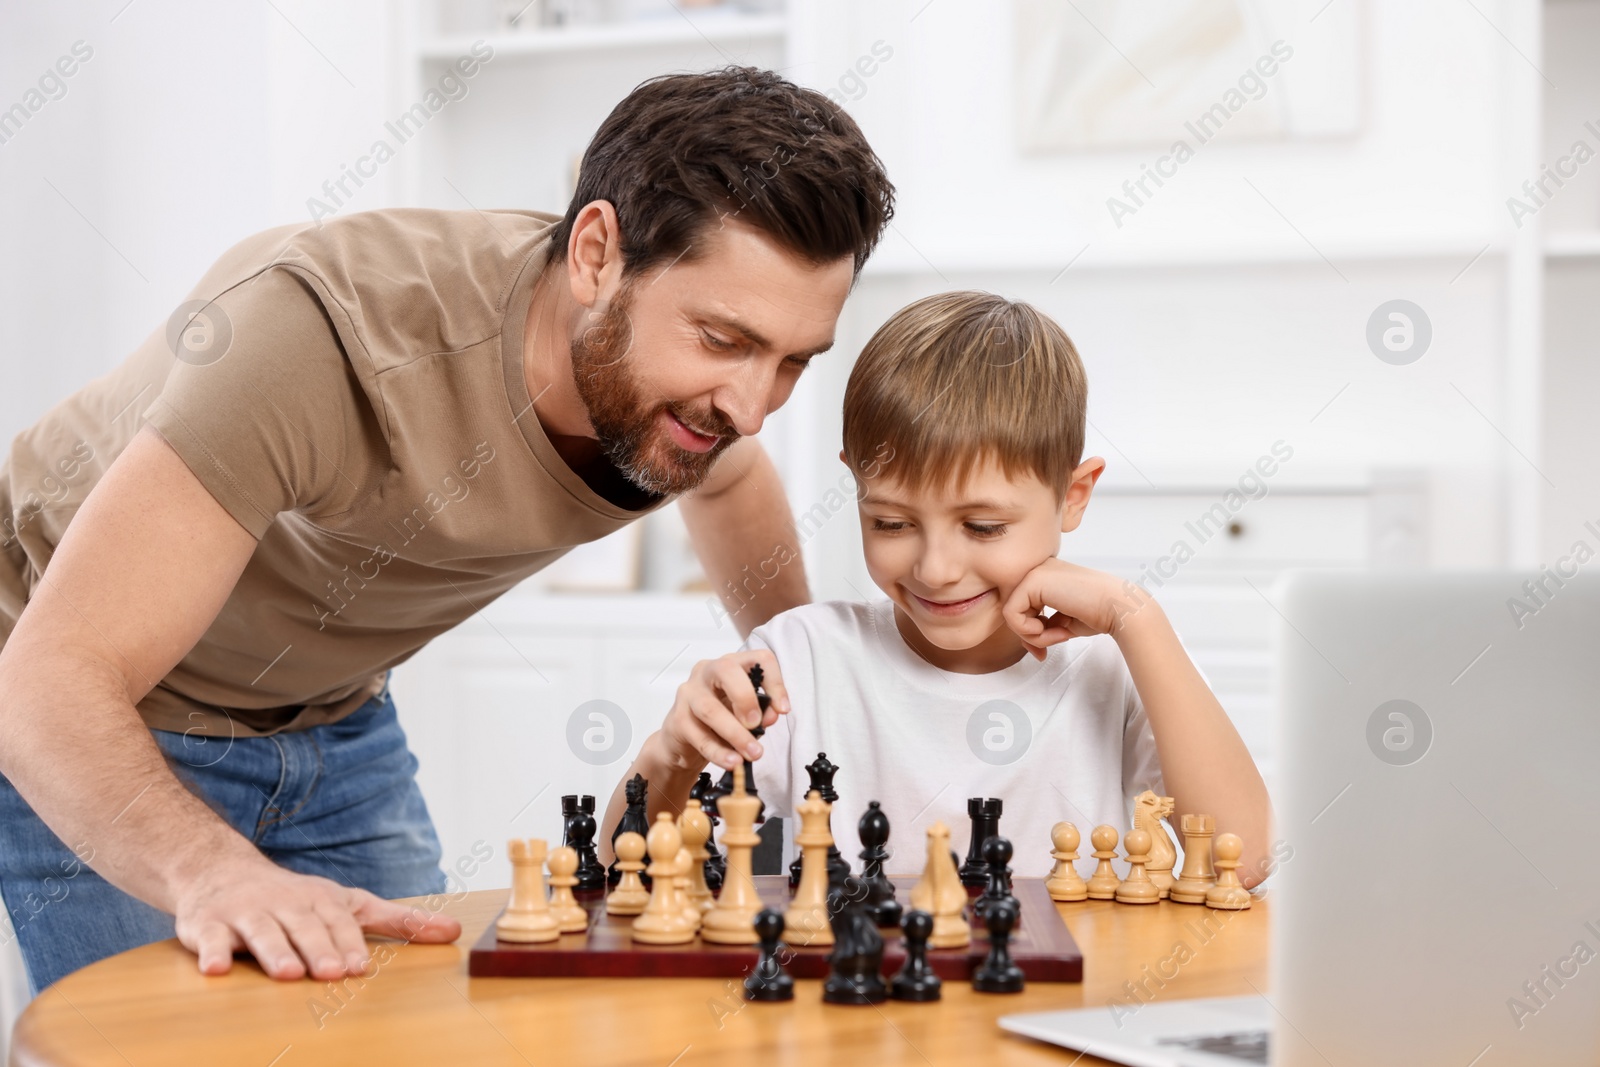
695, 825
630, 896
1137, 888
1065, 883
1103, 882
1229, 894
564, 906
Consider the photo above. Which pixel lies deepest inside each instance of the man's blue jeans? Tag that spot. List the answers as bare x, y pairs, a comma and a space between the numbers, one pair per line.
339, 801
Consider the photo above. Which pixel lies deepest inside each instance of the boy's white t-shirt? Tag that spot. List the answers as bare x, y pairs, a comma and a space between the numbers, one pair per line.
1065, 738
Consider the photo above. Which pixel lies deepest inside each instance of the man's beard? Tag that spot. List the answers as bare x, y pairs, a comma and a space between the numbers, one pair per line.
626, 424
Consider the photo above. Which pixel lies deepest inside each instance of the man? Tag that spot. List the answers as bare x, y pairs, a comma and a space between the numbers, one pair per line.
372, 429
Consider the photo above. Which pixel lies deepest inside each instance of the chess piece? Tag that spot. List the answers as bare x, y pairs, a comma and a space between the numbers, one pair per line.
856, 962
985, 815
1229, 894
1148, 811
633, 821
1064, 883
821, 772
997, 852
1137, 888
1104, 881
696, 829
630, 897
731, 921
569, 916
682, 875
874, 832
915, 980
725, 785
941, 894
591, 874
806, 922
663, 921
1197, 875
768, 982
569, 812
527, 918
998, 973
715, 866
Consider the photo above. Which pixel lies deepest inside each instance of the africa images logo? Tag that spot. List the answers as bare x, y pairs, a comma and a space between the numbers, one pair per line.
599, 732
1399, 332
999, 732
199, 332
1399, 732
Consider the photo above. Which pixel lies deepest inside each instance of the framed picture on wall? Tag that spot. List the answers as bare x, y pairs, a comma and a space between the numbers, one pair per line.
1097, 74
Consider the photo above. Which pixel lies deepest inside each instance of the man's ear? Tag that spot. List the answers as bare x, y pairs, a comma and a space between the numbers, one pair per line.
1079, 490
594, 255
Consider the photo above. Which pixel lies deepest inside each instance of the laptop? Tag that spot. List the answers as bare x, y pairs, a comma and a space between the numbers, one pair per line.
1440, 745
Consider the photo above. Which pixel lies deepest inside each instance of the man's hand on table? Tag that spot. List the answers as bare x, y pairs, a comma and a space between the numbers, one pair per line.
293, 924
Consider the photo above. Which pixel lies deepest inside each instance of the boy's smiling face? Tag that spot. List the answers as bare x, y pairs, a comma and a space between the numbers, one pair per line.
950, 557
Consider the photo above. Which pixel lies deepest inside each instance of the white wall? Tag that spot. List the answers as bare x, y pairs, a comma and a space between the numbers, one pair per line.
191, 126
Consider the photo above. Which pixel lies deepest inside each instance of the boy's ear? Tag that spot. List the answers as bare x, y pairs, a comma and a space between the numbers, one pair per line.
1079, 490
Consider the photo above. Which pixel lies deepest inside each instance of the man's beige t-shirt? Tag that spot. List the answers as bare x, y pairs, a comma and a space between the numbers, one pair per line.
353, 395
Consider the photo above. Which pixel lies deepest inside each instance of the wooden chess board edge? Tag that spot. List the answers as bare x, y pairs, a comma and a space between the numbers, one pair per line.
1044, 949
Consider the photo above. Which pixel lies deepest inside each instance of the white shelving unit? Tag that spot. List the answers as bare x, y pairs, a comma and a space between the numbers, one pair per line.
1568, 274
1573, 244
719, 28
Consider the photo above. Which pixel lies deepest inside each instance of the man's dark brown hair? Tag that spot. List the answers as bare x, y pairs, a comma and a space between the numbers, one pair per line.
683, 151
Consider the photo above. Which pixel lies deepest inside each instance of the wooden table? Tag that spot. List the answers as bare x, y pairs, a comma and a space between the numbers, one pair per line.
150, 1006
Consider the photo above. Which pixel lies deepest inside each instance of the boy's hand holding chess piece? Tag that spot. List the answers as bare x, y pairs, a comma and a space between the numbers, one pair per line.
715, 710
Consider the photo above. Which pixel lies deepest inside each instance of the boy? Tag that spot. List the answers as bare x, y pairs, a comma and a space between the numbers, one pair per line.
994, 668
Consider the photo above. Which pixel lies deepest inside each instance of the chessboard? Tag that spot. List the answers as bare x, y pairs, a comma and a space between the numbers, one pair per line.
1041, 945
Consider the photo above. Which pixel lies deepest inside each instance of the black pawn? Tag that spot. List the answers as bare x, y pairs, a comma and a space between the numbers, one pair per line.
821, 771
716, 865
769, 982
634, 820
856, 963
985, 815
874, 831
591, 873
916, 981
998, 973
997, 853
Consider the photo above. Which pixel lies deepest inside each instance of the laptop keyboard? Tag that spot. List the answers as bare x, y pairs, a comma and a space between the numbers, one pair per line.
1246, 1046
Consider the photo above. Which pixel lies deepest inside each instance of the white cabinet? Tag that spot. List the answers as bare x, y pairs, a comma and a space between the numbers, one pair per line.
1211, 554
539, 696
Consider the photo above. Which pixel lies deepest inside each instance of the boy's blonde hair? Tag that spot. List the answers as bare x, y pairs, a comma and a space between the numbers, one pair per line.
956, 378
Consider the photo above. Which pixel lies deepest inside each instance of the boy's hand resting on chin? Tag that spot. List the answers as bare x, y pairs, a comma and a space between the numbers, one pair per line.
1085, 602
